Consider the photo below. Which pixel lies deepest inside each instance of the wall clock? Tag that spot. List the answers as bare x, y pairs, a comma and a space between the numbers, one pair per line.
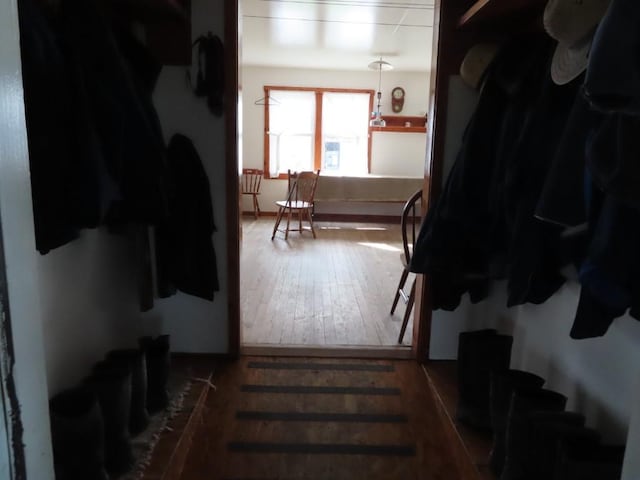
397, 99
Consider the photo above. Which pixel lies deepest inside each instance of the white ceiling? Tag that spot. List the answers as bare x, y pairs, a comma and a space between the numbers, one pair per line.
337, 34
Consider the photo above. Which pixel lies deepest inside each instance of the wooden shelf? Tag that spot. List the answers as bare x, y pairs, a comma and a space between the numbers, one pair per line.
500, 10
397, 123
399, 129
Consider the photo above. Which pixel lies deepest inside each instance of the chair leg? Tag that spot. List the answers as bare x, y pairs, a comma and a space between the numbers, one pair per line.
286, 233
407, 312
403, 279
257, 206
313, 232
278, 218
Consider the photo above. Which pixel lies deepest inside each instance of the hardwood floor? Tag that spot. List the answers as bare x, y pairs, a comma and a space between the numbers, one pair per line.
332, 291
293, 419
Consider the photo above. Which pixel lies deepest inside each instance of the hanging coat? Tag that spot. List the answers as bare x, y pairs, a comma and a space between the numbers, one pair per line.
184, 246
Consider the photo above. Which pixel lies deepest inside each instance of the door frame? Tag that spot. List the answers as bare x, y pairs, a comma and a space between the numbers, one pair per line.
232, 170
233, 41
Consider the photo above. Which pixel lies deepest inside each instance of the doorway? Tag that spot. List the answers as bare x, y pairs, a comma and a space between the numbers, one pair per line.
283, 305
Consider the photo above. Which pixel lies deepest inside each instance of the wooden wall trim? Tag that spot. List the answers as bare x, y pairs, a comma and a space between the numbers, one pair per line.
268, 88
232, 174
317, 148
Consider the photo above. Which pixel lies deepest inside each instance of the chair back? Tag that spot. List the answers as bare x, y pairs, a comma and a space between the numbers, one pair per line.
410, 224
251, 179
302, 186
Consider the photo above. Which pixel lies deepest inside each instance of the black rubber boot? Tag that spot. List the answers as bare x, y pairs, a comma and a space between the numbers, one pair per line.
502, 385
135, 359
77, 434
479, 353
158, 357
580, 461
549, 428
112, 385
523, 402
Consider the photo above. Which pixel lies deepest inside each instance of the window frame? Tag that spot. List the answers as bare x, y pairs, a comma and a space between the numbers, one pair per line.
317, 149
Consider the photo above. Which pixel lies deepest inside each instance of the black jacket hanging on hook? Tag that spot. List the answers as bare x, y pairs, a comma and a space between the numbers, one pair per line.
210, 76
186, 259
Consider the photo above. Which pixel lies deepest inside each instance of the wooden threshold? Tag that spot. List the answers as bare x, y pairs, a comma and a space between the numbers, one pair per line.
472, 446
170, 453
323, 351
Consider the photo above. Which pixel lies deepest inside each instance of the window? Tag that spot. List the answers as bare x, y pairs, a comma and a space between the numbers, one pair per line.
291, 132
345, 133
311, 128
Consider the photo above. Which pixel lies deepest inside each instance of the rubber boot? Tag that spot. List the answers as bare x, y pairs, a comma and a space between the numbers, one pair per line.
158, 358
77, 434
547, 430
580, 461
502, 385
479, 353
135, 359
518, 433
112, 385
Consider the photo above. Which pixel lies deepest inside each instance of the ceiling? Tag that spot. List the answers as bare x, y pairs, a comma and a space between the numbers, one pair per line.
337, 34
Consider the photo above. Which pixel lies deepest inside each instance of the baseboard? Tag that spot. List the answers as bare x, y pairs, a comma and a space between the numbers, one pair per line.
201, 356
359, 217
326, 351
249, 213
339, 217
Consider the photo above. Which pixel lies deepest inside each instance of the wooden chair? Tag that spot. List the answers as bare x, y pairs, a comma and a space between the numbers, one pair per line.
251, 179
409, 224
302, 189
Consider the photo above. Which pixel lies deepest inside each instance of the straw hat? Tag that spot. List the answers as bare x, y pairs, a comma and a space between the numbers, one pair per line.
475, 63
572, 23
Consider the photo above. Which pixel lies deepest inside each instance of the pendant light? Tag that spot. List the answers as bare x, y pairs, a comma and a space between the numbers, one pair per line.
379, 65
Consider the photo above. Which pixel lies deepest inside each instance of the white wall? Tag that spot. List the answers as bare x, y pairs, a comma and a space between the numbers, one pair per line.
196, 325
400, 154
599, 375
88, 295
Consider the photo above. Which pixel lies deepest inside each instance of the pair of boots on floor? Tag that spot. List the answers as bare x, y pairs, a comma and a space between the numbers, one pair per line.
93, 422
533, 436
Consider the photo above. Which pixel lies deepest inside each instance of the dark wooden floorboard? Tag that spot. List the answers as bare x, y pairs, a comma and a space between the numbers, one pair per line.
287, 449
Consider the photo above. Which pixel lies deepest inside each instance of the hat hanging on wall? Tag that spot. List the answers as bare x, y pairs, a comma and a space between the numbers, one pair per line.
475, 63
572, 23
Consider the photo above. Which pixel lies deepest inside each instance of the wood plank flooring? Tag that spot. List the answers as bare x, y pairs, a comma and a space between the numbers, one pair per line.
321, 419
335, 290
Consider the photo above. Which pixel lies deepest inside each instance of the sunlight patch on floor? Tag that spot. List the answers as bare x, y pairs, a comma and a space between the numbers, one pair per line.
365, 229
380, 246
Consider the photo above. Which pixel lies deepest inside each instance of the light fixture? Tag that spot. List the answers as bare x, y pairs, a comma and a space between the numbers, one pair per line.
376, 117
